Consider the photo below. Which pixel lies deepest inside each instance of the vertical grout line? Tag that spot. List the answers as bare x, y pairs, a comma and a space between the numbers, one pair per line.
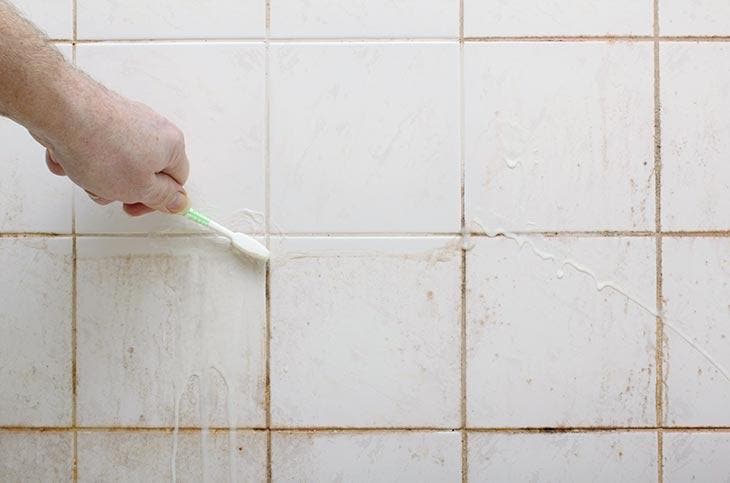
659, 390
267, 189
74, 22
464, 237
74, 309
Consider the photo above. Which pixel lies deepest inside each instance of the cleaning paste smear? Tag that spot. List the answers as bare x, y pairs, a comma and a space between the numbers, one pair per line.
600, 285
211, 349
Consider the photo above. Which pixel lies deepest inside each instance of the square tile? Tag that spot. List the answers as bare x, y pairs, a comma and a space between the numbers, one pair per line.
695, 136
365, 137
557, 17
35, 348
595, 456
170, 330
559, 136
54, 17
539, 328
35, 456
149, 456
358, 18
215, 94
365, 332
696, 281
142, 19
694, 17
33, 199
696, 457
365, 457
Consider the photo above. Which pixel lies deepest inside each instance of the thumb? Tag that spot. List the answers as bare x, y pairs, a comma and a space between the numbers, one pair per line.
166, 195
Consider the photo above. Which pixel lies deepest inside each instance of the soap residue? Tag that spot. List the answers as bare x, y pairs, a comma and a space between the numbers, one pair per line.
600, 285
196, 364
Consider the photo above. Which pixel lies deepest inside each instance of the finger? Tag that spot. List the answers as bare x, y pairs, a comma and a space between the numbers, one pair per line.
53, 166
136, 209
179, 168
166, 195
98, 199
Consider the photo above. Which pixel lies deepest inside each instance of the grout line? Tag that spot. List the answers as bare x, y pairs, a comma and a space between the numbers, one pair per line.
659, 390
335, 235
74, 20
660, 455
176, 40
340, 40
373, 429
364, 40
74, 288
602, 38
267, 210
265, 39
464, 236
561, 38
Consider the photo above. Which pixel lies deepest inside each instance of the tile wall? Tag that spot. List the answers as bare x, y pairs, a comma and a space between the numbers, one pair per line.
500, 236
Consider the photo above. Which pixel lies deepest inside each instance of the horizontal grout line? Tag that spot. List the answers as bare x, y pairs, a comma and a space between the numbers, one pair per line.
548, 233
698, 234
175, 40
363, 40
354, 429
375, 40
600, 38
569, 233
561, 38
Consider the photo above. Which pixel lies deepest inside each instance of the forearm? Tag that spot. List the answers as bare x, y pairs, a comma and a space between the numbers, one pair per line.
36, 82
115, 149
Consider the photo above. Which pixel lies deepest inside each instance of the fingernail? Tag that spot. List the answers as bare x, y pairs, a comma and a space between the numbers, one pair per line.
178, 203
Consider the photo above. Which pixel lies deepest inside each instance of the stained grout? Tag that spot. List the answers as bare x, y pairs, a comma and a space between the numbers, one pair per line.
659, 389
339, 40
464, 236
267, 211
375, 429
74, 289
335, 235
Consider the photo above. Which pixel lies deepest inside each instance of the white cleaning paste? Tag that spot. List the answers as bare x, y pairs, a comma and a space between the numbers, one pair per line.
600, 285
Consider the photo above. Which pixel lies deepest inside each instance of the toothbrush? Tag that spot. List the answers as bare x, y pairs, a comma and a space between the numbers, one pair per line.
243, 242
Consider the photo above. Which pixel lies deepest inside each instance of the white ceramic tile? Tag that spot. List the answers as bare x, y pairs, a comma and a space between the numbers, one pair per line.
365, 332
365, 137
559, 136
35, 456
215, 94
529, 457
695, 136
365, 18
35, 347
546, 347
557, 17
150, 19
696, 283
694, 17
366, 457
33, 199
148, 456
165, 323
54, 17
696, 457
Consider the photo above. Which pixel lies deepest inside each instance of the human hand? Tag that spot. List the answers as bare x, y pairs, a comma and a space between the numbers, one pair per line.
118, 150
